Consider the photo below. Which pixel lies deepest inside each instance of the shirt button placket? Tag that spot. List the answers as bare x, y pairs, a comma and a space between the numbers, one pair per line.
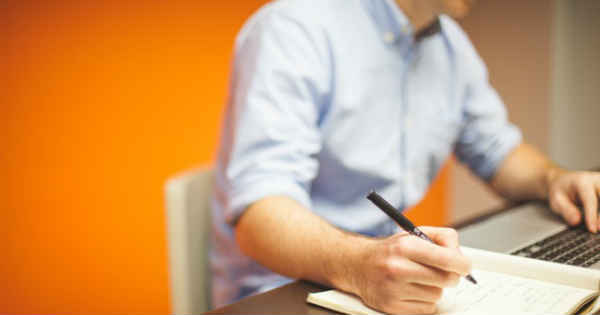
389, 37
405, 179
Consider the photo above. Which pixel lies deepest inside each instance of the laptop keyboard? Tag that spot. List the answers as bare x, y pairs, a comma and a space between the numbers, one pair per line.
573, 246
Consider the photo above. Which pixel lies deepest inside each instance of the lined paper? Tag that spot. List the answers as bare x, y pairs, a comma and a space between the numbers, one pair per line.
496, 291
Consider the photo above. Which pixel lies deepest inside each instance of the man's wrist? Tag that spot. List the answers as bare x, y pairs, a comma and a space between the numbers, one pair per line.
343, 268
551, 174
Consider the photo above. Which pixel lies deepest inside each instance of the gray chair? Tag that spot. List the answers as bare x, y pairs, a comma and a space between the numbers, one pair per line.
188, 230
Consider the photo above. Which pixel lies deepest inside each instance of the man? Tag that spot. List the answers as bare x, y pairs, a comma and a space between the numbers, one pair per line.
332, 98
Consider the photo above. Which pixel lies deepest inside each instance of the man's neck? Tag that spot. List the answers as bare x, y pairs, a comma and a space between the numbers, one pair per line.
419, 12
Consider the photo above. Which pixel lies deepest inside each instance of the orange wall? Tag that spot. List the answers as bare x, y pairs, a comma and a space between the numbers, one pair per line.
101, 102
433, 209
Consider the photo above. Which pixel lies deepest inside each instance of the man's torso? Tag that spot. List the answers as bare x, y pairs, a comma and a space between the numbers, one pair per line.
390, 116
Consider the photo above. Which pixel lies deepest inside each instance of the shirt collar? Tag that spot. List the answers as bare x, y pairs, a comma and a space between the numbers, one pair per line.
391, 22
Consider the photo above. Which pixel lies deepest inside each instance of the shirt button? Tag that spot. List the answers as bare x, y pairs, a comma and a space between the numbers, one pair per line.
389, 37
404, 29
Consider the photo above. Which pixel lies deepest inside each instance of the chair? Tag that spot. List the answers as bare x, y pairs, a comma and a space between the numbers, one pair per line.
188, 230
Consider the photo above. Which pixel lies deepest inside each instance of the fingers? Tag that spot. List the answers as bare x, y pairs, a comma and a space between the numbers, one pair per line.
429, 254
408, 307
574, 189
419, 307
409, 274
425, 275
442, 236
423, 293
587, 194
563, 205
405, 305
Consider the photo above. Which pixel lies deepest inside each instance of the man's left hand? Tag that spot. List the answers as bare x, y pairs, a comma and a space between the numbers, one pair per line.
567, 191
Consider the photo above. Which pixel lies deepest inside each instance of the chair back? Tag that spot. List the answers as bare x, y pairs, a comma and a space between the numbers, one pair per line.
188, 230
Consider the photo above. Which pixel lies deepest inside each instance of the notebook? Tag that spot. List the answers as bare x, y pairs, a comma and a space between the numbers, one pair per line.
506, 284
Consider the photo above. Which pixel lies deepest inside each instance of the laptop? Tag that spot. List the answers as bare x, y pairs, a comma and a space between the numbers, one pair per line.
533, 230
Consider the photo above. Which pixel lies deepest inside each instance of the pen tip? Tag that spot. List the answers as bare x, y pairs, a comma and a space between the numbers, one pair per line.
470, 278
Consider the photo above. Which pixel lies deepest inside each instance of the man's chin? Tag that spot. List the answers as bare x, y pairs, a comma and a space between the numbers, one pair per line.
460, 9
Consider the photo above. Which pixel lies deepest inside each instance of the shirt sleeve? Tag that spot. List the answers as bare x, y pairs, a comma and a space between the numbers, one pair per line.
271, 137
487, 136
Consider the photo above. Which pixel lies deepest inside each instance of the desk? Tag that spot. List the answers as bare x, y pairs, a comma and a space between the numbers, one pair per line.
291, 298
287, 299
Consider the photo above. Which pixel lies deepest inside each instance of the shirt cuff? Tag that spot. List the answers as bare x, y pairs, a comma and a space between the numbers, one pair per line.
239, 200
503, 146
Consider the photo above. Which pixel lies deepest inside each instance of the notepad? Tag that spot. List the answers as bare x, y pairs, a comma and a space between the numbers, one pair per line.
506, 284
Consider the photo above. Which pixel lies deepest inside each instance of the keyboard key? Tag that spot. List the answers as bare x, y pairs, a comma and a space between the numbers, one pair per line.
573, 246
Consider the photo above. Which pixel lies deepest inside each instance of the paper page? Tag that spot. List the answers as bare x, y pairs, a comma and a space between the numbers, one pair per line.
584, 278
510, 294
340, 302
495, 294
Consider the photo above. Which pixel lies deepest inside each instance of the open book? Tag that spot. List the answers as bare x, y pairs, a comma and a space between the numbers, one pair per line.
506, 285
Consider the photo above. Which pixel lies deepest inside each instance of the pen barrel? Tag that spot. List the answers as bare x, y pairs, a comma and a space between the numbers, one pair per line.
391, 211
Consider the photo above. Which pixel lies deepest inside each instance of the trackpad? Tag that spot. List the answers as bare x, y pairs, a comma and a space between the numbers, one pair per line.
513, 229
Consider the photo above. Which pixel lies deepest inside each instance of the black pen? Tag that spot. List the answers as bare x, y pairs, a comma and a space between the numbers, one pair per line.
403, 221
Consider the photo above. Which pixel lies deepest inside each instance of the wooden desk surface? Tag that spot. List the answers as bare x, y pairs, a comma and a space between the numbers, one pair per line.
287, 299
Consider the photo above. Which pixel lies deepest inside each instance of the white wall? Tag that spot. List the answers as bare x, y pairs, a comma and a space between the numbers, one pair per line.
575, 119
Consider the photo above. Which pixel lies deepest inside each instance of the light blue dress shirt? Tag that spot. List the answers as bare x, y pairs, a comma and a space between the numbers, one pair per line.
330, 99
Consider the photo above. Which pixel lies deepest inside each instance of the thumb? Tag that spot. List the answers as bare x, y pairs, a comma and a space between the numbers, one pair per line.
445, 237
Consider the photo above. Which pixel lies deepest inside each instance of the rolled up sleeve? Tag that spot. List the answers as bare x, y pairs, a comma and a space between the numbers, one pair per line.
487, 137
270, 135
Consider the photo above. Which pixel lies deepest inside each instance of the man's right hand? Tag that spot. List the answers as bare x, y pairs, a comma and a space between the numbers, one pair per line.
398, 274
403, 274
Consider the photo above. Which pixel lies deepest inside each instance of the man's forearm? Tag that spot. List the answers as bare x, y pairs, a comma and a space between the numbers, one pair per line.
398, 274
525, 174
289, 239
